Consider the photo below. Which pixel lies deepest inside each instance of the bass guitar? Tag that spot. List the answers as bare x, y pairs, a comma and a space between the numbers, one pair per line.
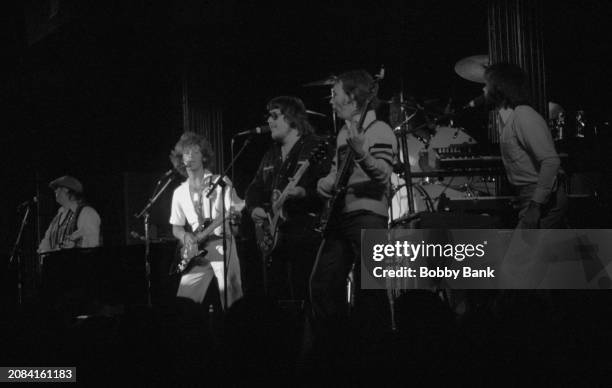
343, 173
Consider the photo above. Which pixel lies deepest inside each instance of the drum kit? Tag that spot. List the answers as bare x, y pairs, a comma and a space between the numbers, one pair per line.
417, 122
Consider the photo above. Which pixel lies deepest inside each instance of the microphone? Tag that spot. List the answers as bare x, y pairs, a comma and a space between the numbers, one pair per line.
256, 131
168, 173
475, 103
28, 202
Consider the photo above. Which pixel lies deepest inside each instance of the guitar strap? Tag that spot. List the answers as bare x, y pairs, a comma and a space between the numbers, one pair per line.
62, 227
197, 198
350, 168
59, 228
289, 165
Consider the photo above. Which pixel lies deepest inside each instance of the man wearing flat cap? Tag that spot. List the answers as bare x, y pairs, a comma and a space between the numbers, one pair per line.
76, 224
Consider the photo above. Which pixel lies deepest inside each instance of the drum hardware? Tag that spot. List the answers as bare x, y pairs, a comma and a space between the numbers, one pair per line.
410, 101
580, 124
406, 170
451, 147
558, 127
329, 81
396, 188
400, 127
573, 124
401, 131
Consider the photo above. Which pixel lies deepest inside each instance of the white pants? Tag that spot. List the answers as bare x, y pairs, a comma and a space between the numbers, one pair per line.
194, 284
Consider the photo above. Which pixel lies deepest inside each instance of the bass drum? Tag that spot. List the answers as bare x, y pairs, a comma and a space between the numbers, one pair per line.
425, 196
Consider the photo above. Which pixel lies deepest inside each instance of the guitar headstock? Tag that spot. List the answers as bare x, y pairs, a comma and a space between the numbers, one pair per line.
319, 152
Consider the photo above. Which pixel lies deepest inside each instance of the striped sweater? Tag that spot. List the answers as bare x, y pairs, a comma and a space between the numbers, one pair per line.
368, 185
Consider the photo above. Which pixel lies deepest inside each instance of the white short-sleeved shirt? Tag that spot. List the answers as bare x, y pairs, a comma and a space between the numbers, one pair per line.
183, 211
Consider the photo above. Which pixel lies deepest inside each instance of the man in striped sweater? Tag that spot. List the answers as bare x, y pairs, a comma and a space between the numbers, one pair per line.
365, 206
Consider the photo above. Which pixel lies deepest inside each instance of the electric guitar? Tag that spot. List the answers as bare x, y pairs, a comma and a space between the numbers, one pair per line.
267, 232
207, 245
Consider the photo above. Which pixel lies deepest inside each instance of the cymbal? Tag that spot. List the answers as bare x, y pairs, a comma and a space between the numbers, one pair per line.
313, 113
323, 82
473, 68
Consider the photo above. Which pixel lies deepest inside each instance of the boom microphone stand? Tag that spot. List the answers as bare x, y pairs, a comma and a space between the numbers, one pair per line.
219, 182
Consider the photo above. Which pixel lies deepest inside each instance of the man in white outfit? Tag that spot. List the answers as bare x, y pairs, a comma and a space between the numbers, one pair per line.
191, 208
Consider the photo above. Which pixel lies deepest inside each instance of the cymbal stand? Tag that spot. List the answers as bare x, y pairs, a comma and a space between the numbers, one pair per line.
401, 131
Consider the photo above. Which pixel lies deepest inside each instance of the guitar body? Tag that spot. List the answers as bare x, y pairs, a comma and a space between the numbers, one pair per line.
209, 247
206, 252
329, 212
267, 232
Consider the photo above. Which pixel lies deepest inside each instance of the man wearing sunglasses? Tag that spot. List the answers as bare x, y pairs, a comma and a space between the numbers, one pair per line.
290, 262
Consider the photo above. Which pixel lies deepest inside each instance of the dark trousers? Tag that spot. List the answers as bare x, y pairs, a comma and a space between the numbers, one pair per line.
291, 262
553, 212
339, 252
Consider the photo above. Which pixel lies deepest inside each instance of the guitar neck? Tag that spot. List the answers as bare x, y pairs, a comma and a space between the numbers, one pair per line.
292, 184
209, 229
342, 175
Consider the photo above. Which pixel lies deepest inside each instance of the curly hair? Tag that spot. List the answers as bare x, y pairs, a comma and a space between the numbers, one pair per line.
508, 85
191, 139
359, 85
294, 111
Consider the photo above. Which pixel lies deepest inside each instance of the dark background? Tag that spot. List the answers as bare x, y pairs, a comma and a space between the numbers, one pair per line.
95, 90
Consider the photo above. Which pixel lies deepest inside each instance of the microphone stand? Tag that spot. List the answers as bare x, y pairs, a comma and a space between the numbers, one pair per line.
144, 214
16, 255
335, 122
219, 182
